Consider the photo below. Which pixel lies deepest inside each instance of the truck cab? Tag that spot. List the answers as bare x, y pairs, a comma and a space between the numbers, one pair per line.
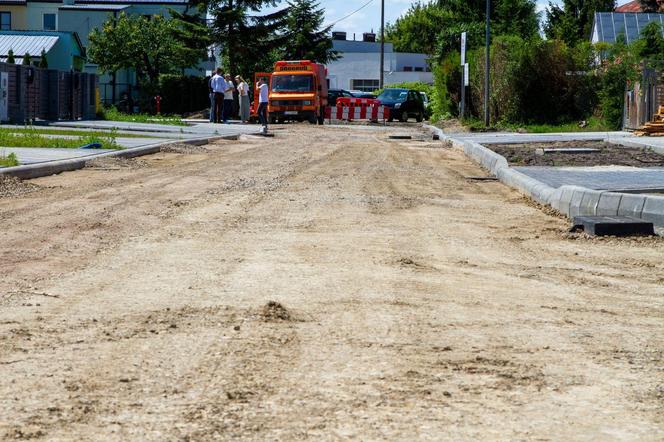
298, 91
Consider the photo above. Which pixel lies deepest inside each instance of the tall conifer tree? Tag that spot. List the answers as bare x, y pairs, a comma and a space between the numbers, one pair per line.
306, 40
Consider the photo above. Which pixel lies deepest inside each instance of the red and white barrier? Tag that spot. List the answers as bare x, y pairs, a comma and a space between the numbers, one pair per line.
350, 113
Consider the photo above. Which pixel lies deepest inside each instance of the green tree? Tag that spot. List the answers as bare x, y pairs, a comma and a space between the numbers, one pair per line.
192, 32
148, 45
10, 57
307, 40
248, 40
418, 29
572, 23
27, 60
435, 27
650, 5
43, 62
651, 44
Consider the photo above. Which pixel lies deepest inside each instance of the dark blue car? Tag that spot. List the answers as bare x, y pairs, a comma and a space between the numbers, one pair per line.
403, 104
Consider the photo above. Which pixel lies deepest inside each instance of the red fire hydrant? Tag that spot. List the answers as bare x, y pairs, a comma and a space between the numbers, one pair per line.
157, 101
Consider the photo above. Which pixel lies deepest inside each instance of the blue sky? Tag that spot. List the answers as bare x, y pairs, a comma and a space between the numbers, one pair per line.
369, 17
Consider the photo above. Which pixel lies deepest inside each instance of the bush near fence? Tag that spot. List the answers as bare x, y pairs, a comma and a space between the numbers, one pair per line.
182, 94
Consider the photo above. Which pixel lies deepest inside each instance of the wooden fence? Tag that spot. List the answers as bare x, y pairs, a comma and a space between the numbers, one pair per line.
47, 94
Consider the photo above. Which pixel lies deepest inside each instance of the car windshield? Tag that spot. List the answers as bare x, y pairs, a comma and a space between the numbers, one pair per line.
293, 83
393, 95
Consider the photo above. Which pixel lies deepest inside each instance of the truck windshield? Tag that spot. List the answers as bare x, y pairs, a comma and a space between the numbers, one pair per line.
292, 83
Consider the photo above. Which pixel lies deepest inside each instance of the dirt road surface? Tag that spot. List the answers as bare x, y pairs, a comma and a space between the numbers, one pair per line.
325, 284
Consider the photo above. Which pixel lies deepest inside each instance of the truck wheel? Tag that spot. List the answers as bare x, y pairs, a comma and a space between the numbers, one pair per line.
321, 118
390, 119
313, 120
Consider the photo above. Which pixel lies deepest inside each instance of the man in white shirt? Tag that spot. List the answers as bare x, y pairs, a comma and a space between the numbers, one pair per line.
228, 98
219, 86
263, 98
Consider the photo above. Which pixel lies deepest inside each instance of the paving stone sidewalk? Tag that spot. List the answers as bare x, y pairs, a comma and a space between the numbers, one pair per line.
154, 133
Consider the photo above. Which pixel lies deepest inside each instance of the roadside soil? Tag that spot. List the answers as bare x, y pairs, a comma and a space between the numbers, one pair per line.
608, 155
324, 284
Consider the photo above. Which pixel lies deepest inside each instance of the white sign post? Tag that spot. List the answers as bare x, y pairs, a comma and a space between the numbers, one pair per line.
464, 75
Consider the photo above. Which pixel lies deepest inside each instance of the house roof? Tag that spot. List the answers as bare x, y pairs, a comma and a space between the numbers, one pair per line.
609, 25
22, 44
94, 7
633, 6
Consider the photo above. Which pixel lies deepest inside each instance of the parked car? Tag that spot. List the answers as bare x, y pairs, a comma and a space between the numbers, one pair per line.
403, 104
333, 94
361, 94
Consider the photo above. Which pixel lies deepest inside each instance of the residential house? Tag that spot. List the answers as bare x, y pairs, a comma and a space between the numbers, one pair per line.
81, 17
64, 50
358, 67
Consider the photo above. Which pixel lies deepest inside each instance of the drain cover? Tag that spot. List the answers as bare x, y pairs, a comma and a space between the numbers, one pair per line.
612, 225
400, 137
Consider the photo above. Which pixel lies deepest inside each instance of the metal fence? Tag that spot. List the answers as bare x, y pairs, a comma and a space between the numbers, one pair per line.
642, 99
28, 93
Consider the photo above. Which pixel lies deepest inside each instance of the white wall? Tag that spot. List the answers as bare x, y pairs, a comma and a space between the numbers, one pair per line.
36, 11
365, 66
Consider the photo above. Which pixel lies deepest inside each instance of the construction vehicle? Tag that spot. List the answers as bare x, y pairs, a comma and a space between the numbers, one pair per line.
298, 91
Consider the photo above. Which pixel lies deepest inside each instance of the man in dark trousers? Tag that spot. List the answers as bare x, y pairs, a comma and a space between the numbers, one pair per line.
219, 86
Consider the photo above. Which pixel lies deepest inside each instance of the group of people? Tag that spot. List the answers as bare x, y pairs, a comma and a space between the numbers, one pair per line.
222, 89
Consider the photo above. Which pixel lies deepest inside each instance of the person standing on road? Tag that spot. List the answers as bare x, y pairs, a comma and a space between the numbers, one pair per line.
263, 97
228, 98
219, 86
211, 94
243, 91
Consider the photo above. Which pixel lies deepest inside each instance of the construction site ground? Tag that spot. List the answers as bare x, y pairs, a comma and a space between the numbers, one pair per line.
324, 284
607, 154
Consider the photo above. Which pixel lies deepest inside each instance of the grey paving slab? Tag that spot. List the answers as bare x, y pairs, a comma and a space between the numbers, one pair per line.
33, 155
613, 178
201, 129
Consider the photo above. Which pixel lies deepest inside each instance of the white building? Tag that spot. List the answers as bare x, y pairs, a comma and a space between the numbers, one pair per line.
358, 68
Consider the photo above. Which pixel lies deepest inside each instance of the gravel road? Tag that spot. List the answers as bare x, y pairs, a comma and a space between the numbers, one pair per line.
325, 284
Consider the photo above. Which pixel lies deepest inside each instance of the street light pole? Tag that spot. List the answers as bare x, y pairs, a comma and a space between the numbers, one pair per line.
487, 67
382, 42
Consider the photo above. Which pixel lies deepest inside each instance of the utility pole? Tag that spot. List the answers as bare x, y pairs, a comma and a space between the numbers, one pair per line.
382, 43
487, 67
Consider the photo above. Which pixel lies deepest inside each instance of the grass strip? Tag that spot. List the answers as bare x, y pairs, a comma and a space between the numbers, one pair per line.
34, 139
592, 125
8, 160
112, 114
71, 132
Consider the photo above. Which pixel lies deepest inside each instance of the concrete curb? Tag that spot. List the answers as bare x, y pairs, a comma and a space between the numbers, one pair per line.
568, 200
631, 143
54, 167
443, 136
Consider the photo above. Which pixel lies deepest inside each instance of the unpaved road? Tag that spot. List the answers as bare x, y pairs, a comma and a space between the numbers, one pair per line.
417, 304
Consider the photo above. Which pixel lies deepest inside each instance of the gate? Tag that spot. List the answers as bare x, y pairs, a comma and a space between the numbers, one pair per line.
642, 99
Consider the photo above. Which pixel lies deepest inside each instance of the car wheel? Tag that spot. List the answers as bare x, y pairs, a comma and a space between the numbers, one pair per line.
390, 119
404, 117
419, 117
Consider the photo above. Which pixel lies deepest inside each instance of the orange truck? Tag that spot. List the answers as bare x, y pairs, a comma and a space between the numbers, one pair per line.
298, 91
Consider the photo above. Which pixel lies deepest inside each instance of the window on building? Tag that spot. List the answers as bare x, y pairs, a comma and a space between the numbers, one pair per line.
408, 69
419, 69
49, 22
5, 21
365, 85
